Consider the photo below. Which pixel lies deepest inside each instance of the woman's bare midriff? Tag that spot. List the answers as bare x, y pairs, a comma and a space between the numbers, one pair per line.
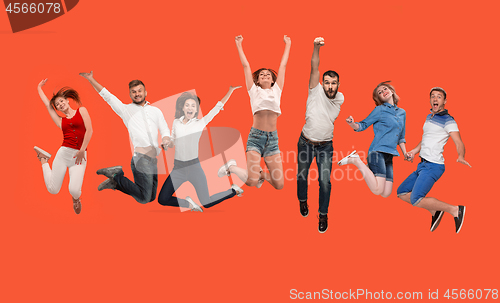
265, 120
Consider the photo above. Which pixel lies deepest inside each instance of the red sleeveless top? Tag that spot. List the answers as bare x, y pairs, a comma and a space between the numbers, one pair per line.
73, 131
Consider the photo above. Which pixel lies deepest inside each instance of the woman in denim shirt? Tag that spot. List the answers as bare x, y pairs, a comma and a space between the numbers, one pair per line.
389, 127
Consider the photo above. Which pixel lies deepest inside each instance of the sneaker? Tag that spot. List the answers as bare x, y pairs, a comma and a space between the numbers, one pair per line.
304, 209
237, 189
261, 180
351, 155
224, 169
323, 223
459, 221
193, 206
436, 219
110, 172
77, 206
107, 184
41, 154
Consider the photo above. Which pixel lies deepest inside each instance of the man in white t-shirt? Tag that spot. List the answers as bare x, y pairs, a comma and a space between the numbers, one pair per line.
438, 128
323, 107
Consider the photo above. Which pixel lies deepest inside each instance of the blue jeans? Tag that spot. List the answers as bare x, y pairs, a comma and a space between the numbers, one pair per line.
145, 172
323, 154
265, 143
380, 164
192, 172
420, 182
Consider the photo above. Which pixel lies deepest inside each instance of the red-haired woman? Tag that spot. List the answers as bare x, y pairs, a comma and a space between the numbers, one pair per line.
77, 131
389, 127
264, 87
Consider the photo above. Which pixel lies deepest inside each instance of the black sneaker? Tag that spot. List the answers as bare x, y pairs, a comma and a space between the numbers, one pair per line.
459, 221
323, 223
436, 219
304, 209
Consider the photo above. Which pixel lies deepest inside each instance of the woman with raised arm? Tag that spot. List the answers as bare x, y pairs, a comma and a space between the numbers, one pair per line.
389, 127
72, 155
264, 87
186, 134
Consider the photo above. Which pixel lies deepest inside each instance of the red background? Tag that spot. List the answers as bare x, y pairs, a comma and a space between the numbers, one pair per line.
258, 247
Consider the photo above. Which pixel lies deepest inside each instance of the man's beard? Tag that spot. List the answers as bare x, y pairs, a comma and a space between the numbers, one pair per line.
332, 94
138, 102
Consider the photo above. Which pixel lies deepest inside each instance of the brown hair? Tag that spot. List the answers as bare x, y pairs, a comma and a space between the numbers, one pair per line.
395, 97
255, 75
182, 100
66, 92
134, 83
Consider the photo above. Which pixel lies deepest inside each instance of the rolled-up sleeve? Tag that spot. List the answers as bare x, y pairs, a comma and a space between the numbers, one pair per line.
403, 131
372, 118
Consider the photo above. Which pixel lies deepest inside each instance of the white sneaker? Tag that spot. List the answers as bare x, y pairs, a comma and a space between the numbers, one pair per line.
351, 155
224, 170
237, 189
40, 153
194, 206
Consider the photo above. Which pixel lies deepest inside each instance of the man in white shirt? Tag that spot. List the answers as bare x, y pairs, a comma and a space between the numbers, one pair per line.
438, 128
323, 107
143, 122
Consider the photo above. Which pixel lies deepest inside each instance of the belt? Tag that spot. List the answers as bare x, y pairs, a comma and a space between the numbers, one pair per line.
315, 143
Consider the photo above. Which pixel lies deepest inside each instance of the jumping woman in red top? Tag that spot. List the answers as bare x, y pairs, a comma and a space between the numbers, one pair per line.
77, 131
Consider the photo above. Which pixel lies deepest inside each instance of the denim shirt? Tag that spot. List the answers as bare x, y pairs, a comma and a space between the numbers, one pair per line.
389, 128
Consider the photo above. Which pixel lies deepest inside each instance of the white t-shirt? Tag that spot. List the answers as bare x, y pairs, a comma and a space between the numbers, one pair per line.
436, 133
265, 99
321, 113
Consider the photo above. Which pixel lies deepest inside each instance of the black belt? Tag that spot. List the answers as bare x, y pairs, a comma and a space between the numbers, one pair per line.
316, 143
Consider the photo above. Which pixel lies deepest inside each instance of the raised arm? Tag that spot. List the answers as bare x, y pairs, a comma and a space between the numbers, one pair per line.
284, 60
88, 134
208, 117
90, 76
314, 77
460, 147
228, 94
115, 103
55, 117
246, 66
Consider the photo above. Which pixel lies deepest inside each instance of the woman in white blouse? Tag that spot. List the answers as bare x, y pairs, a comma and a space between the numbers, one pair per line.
264, 87
186, 133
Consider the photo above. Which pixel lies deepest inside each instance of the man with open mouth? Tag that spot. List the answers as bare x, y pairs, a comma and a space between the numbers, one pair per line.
315, 141
438, 128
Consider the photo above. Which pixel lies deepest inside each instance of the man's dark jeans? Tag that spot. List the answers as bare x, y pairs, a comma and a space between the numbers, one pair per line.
323, 154
145, 171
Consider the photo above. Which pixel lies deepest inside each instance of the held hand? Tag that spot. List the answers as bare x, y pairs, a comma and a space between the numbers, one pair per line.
42, 83
319, 41
166, 143
287, 39
87, 76
409, 156
462, 160
80, 156
233, 88
238, 40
